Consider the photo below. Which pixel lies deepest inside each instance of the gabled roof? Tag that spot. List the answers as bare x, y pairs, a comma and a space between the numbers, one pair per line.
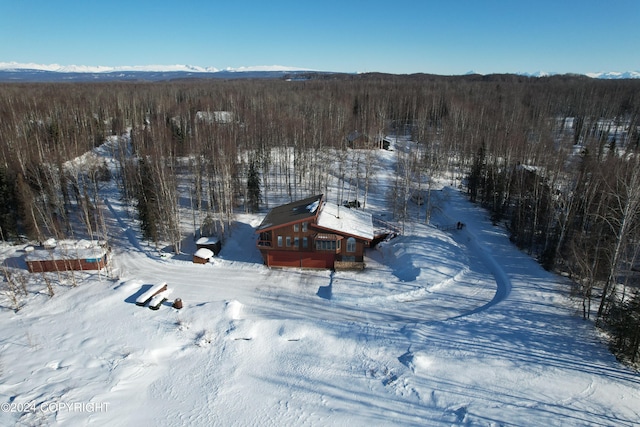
306, 209
208, 240
346, 221
355, 135
204, 253
69, 250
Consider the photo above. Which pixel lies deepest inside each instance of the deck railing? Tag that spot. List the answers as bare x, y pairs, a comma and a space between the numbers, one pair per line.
382, 224
348, 265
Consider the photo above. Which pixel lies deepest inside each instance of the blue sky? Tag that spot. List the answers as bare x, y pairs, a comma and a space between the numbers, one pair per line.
397, 36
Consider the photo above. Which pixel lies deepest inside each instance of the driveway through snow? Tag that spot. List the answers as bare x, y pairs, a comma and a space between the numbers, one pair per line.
441, 328
451, 289
456, 327
467, 236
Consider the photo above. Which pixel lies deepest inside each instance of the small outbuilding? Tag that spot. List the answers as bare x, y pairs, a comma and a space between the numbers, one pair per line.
357, 139
67, 255
202, 256
211, 242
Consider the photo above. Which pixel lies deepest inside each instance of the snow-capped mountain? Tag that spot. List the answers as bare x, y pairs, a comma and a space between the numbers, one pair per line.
15, 71
615, 75
608, 75
31, 72
538, 74
16, 66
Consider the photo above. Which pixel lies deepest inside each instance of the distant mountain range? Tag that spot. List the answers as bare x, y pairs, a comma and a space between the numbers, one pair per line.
13, 71
30, 72
16, 66
608, 75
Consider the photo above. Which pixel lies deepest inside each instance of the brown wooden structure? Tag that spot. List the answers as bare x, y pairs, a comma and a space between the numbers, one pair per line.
311, 233
65, 256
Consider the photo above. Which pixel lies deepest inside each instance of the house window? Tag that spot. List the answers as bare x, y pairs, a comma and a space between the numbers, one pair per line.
305, 242
296, 227
326, 245
288, 241
280, 241
296, 242
351, 244
304, 227
265, 239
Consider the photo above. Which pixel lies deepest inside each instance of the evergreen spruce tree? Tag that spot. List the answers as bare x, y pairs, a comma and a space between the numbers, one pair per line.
8, 213
253, 188
147, 202
474, 178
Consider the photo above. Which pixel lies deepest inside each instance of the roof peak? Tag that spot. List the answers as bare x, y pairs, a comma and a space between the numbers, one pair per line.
298, 211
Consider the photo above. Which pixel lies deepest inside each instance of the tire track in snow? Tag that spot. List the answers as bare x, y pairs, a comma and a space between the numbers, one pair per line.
126, 230
470, 240
503, 281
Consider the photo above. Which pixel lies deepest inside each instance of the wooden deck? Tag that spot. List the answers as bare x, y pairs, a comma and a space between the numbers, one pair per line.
348, 265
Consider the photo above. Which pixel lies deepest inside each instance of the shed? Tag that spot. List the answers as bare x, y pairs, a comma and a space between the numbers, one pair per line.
202, 256
68, 255
211, 242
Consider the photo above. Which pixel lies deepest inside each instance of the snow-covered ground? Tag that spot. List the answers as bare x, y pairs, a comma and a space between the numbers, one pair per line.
442, 328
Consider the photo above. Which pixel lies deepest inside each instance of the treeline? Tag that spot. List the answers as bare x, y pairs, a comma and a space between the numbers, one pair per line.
554, 159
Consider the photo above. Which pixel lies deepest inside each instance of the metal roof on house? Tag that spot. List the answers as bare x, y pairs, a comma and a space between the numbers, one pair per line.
69, 250
306, 209
346, 221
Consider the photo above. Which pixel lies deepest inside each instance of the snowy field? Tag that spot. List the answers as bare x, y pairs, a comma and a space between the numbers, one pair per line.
441, 328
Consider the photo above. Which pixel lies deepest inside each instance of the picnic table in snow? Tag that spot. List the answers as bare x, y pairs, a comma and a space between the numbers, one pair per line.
143, 299
160, 298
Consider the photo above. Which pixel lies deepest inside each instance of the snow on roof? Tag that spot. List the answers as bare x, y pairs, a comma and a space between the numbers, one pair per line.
69, 249
204, 253
312, 207
215, 116
348, 221
210, 240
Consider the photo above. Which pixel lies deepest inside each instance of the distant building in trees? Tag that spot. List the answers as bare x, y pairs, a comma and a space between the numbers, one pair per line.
221, 117
357, 139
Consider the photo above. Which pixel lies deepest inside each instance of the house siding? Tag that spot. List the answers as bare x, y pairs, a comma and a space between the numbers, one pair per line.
270, 238
285, 228
41, 266
301, 257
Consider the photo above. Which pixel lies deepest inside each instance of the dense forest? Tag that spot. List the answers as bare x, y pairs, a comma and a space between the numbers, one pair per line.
555, 160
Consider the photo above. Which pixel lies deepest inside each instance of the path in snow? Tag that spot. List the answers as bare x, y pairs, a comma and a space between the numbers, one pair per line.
442, 277
458, 206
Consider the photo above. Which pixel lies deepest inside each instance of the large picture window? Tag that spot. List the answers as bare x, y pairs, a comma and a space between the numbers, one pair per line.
351, 244
327, 245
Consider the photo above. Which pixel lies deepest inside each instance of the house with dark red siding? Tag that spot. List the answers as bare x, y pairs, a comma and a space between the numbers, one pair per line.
68, 255
312, 233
